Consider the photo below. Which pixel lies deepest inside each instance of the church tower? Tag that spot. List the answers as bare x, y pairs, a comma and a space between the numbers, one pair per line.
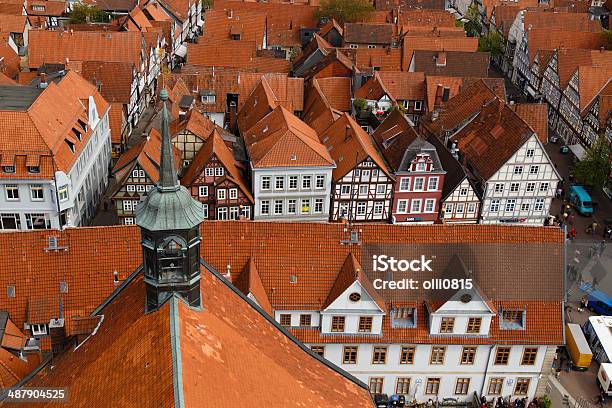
169, 219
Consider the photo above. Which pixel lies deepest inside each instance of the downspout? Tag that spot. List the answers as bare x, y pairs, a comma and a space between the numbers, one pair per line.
484, 378
57, 201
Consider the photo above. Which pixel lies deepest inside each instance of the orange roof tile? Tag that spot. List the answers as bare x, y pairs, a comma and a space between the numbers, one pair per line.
560, 21
591, 80
435, 86
214, 145
365, 33
393, 136
284, 87
53, 8
249, 282
350, 145
117, 122
114, 78
386, 59
12, 23
536, 116
58, 46
337, 91
547, 39
318, 113
424, 17
280, 139
398, 86
234, 54
10, 60
222, 24
49, 120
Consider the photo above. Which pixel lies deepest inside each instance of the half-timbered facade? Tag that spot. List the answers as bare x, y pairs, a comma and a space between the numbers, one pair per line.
189, 132
214, 179
596, 115
418, 184
362, 183
460, 202
136, 172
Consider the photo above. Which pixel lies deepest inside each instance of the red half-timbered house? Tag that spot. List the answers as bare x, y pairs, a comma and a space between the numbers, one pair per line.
215, 179
362, 184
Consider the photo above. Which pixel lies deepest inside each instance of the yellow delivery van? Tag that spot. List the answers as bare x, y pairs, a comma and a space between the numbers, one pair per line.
578, 347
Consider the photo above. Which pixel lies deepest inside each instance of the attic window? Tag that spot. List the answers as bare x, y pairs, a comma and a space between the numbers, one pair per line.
33, 169
512, 319
293, 279
63, 287
10, 291
293, 157
8, 169
36, 7
355, 297
235, 37
70, 145
77, 134
403, 317
82, 124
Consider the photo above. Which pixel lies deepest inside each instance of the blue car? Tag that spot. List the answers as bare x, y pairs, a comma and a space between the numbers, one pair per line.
581, 200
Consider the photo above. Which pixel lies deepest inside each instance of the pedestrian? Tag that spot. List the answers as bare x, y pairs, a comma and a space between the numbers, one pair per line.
584, 302
573, 233
571, 219
602, 247
558, 193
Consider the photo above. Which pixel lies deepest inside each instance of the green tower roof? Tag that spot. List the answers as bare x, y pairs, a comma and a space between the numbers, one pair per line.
168, 206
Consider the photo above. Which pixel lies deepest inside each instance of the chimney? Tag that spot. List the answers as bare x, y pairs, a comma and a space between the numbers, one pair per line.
43, 81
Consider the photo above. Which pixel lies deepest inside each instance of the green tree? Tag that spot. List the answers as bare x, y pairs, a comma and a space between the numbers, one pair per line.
491, 42
295, 51
472, 25
344, 11
594, 168
84, 13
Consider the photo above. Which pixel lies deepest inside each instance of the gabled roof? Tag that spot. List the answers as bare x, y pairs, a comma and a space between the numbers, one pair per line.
285, 88
280, 139
491, 138
568, 61
536, 116
329, 26
316, 44
249, 281
215, 145
233, 54
261, 101
591, 79
41, 127
12, 23
424, 17
397, 85
50, 8
180, 348
428, 43
364, 33
221, 24
57, 46
194, 122
393, 136
318, 113
349, 145
147, 154
337, 91
114, 78
384, 59
350, 273
455, 173
560, 21
459, 109
420, 145
452, 63
10, 60
547, 39
342, 66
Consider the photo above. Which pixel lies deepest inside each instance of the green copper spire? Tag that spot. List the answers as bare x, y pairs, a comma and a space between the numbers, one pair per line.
168, 206
168, 180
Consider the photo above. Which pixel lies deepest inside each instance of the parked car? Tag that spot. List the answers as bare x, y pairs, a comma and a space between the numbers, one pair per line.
581, 200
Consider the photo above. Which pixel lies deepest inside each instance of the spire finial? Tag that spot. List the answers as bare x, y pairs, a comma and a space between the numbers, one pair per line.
167, 180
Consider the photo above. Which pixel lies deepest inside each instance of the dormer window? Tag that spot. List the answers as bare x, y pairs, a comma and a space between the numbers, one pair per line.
473, 326
36, 7
38, 329
512, 319
82, 124
337, 324
403, 317
421, 166
8, 169
70, 145
33, 169
77, 134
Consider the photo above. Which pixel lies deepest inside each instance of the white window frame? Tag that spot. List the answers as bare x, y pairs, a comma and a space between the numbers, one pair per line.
320, 182
494, 207
233, 193
428, 201
264, 205
429, 187
419, 205
404, 184
203, 191
266, 180
416, 180
318, 205
37, 188
11, 187
221, 194
403, 203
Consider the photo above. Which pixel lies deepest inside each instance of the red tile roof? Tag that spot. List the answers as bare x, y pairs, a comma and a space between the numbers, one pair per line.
12, 23
280, 139
52, 8
114, 78
308, 250
222, 24
547, 39
393, 136
451, 63
10, 60
591, 80
560, 21
424, 18
234, 54
318, 113
536, 116
492, 137
41, 130
350, 145
337, 91
58, 46
214, 145
398, 86
249, 281
364, 33
386, 59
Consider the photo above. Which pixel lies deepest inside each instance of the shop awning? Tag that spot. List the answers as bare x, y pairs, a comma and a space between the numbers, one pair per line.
578, 151
181, 51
